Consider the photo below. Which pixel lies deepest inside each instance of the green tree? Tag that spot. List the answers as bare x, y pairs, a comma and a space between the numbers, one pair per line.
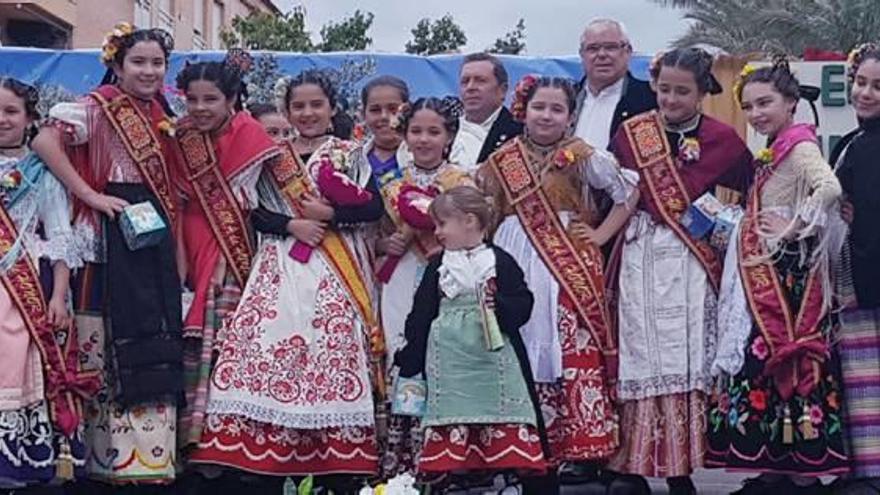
348, 35
513, 43
288, 33
266, 31
440, 36
786, 26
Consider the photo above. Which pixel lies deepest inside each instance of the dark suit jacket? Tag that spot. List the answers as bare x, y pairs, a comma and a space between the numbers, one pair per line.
504, 129
637, 97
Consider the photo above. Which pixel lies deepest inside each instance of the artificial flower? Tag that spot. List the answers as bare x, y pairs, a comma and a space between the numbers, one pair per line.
166, 126
689, 150
564, 158
11, 179
765, 156
816, 414
759, 348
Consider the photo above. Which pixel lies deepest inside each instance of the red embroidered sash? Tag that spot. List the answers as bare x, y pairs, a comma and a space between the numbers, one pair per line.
578, 272
215, 196
66, 384
136, 132
292, 179
797, 346
659, 172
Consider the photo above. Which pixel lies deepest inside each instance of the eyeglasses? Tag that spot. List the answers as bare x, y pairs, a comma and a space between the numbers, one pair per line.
611, 48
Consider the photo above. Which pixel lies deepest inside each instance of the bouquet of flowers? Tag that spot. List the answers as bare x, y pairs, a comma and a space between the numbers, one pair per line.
410, 204
335, 186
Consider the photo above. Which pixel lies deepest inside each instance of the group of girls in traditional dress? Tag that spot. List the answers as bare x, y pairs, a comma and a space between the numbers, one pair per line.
302, 275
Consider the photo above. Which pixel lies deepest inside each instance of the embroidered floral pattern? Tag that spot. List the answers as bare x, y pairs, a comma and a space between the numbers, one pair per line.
292, 370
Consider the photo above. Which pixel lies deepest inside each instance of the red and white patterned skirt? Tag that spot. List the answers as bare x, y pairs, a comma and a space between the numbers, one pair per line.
457, 448
273, 450
580, 418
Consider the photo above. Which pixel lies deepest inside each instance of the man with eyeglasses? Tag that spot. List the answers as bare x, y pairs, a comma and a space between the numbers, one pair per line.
608, 94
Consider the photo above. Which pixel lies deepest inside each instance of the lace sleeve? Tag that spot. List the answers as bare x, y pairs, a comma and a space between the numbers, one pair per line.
54, 214
734, 316
72, 119
603, 172
821, 184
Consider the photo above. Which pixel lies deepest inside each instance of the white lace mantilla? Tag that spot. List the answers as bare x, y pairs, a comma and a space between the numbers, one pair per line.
274, 416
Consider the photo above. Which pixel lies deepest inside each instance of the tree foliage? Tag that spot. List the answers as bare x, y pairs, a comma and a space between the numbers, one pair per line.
439, 36
348, 35
288, 33
787, 26
512, 43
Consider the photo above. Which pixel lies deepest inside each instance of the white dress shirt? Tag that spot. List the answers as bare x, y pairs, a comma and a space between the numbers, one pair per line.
469, 141
597, 112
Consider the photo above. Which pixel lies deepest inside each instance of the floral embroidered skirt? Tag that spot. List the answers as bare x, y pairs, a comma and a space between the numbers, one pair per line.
124, 444
291, 389
578, 413
751, 428
30, 447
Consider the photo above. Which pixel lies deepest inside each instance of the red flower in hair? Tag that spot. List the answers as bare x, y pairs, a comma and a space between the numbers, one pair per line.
520, 92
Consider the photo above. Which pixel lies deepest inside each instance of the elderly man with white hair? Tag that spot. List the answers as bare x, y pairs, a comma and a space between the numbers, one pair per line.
608, 94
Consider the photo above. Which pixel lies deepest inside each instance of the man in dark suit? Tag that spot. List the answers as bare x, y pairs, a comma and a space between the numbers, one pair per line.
608, 94
486, 123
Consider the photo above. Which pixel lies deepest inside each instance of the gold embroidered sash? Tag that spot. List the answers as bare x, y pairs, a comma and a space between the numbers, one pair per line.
665, 188
225, 216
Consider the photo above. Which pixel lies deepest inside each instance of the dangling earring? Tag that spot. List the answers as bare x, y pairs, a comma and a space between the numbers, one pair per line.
330, 128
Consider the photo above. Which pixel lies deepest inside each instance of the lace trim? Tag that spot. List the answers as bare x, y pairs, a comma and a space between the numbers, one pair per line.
305, 421
58, 248
88, 243
662, 385
479, 420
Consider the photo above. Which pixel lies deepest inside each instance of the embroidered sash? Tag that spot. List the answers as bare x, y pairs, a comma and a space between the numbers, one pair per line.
292, 179
578, 271
215, 196
666, 190
136, 132
66, 384
797, 346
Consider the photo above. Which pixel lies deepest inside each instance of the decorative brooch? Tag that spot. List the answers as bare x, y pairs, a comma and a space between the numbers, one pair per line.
689, 150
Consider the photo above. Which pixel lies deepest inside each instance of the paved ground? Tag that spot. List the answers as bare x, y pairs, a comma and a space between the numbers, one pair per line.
709, 482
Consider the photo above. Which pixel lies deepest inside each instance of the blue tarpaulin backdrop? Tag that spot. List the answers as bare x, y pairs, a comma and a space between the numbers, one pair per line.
80, 70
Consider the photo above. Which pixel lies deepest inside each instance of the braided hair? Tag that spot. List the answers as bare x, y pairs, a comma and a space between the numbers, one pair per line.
449, 108
859, 55
31, 97
694, 60
226, 75
778, 75
343, 125
527, 87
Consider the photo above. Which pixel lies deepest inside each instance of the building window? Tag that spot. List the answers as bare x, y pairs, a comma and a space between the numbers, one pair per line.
199, 17
142, 17
165, 18
217, 17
